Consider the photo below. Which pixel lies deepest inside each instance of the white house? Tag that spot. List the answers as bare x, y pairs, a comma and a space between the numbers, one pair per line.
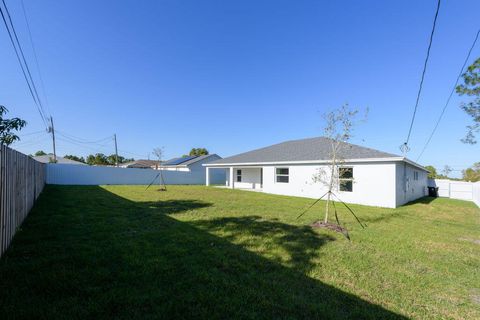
365, 176
195, 165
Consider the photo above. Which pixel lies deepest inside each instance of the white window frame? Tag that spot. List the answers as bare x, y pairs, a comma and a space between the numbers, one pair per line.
415, 175
282, 175
344, 179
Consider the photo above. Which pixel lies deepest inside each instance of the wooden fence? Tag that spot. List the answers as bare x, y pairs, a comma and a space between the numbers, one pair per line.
21, 181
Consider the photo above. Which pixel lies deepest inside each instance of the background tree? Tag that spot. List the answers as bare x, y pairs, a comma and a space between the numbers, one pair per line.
471, 87
121, 159
446, 171
74, 158
158, 153
97, 159
40, 153
198, 152
100, 159
9, 126
432, 172
473, 173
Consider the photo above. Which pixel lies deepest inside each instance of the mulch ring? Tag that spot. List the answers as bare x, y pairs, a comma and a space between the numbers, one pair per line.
331, 226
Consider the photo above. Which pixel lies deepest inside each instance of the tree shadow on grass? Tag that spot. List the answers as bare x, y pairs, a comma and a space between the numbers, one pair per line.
298, 245
109, 257
398, 212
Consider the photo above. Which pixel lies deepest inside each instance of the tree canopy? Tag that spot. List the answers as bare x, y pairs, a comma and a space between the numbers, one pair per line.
101, 159
198, 152
471, 87
472, 173
8, 127
40, 153
433, 172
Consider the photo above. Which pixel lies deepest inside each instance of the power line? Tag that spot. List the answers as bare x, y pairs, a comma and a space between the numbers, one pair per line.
81, 140
32, 85
31, 133
35, 55
450, 96
405, 145
96, 149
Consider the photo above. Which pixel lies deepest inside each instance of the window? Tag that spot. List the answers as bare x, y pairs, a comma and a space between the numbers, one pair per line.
415, 175
239, 175
281, 175
345, 179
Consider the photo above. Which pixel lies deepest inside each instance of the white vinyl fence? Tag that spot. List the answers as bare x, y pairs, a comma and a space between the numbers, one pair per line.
457, 189
68, 174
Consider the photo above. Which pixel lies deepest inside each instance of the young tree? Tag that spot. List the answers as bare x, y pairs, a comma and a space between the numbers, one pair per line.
158, 152
471, 87
9, 126
338, 129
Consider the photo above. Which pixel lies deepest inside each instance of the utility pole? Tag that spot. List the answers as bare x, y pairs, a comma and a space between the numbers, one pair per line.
116, 151
52, 130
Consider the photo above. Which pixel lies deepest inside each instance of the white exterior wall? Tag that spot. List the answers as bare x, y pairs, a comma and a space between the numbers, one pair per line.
407, 188
251, 178
374, 183
174, 169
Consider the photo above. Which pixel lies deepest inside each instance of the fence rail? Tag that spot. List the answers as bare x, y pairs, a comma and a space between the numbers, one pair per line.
21, 181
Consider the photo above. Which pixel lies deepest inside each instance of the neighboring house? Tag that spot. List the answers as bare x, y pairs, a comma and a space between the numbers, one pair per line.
195, 165
48, 158
142, 164
370, 177
189, 163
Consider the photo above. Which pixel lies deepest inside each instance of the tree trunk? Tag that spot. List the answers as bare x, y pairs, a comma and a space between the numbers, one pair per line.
327, 206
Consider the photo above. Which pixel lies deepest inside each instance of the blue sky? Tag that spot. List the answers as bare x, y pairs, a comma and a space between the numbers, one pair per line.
232, 76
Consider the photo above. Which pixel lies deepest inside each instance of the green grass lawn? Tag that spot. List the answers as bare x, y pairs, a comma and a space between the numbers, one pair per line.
209, 253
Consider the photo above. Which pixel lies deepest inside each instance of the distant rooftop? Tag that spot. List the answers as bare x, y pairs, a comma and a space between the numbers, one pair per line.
48, 158
185, 161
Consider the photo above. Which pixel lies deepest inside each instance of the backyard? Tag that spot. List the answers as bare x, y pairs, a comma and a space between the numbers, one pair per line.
210, 253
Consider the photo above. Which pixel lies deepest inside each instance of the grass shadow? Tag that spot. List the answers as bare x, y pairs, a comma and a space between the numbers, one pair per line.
87, 253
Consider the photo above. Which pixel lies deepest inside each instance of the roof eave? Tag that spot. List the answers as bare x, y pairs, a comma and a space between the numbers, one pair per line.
387, 159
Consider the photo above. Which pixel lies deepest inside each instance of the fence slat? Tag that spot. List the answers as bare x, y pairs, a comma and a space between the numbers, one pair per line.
21, 181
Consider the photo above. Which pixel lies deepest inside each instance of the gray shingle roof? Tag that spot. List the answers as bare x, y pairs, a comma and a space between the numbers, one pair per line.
311, 149
46, 159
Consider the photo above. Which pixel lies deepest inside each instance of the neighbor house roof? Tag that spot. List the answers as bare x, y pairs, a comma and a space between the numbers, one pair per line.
186, 161
48, 158
305, 150
141, 163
